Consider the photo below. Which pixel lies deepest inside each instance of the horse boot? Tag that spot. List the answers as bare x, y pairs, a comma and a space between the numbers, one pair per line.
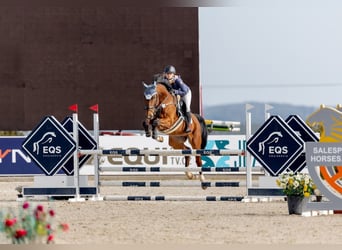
147, 129
187, 122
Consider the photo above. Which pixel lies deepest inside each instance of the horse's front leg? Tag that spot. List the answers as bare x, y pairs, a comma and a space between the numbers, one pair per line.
147, 127
155, 136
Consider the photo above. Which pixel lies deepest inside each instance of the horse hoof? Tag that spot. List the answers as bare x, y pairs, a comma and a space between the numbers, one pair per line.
204, 186
160, 139
189, 175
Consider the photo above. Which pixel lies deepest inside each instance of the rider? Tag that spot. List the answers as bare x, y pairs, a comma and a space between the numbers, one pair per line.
181, 89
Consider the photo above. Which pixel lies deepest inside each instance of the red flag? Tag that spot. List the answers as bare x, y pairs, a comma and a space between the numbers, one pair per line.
95, 108
74, 107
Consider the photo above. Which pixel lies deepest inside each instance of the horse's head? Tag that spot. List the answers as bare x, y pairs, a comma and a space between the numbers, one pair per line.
157, 98
151, 100
150, 90
328, 122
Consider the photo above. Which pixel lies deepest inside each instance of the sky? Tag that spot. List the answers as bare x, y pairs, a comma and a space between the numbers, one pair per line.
271, 51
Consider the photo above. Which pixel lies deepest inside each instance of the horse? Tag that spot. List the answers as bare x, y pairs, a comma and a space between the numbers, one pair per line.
163, 114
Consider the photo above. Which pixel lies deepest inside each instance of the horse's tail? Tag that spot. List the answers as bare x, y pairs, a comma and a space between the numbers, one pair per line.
204, 130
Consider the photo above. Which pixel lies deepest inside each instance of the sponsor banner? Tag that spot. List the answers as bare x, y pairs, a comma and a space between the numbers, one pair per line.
49, 145
323, 154
142, 142
14, 160
275, 145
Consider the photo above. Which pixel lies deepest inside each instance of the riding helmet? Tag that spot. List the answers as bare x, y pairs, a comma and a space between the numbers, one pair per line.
170, 69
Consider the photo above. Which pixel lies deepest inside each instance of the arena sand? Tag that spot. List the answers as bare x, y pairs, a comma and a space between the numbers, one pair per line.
182, 224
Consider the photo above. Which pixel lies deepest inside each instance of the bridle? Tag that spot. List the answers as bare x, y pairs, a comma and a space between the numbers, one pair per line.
154, 108
159, 105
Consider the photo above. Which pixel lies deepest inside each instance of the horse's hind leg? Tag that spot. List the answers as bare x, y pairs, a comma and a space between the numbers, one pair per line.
201, 175
178, 143
187, 163
195, 140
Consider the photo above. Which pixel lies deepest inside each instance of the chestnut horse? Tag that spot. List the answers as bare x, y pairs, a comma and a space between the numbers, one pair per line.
163, 115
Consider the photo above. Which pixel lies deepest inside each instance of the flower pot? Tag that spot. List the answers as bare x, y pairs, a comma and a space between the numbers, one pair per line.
296, 204
318, 198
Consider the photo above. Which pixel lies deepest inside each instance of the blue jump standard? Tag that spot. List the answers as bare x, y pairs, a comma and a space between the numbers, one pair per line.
58, 191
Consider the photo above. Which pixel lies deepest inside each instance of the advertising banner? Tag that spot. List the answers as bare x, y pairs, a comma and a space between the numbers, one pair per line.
14, 161
141, 142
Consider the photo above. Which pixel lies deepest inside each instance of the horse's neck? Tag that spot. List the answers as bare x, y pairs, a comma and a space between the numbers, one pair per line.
170, 110
162, 92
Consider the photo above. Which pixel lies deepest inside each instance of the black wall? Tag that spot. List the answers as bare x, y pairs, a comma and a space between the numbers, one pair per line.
53, 57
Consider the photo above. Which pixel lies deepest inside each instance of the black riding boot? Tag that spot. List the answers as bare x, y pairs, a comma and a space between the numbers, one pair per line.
187, 122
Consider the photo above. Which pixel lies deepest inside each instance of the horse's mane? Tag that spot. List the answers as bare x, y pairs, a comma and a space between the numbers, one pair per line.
159, 79
166, 85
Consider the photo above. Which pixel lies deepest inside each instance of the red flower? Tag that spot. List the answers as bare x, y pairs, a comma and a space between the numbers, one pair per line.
52, 213
50, 238
40, 208
10, 222
26, 205
64, 227
20, 233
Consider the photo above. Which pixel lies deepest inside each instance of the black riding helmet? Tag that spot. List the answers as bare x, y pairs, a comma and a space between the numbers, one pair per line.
170, 69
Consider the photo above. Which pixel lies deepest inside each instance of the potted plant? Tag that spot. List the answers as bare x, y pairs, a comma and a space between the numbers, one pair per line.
298, 187
30, 224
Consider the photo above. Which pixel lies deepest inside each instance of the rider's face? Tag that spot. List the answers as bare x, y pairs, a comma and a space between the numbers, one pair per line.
169, 76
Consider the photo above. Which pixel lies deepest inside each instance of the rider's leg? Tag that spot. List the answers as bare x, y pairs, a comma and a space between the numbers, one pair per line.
187, 101
187, 121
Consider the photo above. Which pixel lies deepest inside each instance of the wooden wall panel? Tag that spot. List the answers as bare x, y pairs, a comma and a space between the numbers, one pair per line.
52, 57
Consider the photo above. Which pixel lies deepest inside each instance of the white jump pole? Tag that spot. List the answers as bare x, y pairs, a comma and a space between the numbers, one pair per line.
267, 116
76, 166
156, 152
248, 155
96, 126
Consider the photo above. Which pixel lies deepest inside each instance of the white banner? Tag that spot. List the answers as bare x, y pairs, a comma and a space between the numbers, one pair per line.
236, 142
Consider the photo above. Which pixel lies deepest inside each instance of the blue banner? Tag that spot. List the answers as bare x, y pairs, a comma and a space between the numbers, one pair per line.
13, 160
